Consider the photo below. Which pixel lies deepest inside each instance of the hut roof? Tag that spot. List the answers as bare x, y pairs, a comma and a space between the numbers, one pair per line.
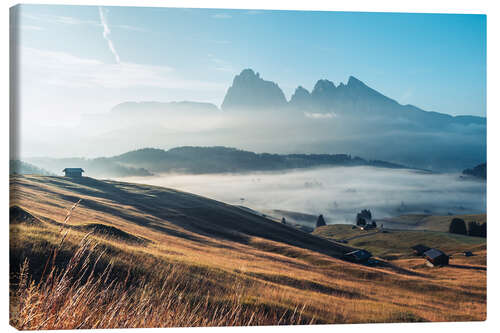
434, 253
358, 255
419, 248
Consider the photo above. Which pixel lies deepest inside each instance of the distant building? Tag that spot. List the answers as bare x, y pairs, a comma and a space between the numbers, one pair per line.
73, 172
358, 256
436, 257
369, 226
420, 249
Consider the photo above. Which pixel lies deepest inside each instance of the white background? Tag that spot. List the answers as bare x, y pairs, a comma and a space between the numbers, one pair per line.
491, 8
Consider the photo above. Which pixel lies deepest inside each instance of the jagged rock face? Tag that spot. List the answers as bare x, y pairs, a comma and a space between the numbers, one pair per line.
301, 98
354, 99
323, 88
249, 91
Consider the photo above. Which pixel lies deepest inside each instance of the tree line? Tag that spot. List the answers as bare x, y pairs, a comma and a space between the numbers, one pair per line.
472, 228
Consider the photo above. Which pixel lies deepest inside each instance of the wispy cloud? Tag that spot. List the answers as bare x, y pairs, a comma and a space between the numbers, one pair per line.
254, 12
31, 27
70, 20
106, 32
329, 115
128, 27
220, 64
221, 16
42, 67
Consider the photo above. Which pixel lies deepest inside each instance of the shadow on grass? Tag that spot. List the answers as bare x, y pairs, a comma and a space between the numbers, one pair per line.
193, 213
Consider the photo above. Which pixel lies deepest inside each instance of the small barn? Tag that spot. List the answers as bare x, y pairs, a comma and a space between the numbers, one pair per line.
358, 256
73, 172
420, 249
436, 257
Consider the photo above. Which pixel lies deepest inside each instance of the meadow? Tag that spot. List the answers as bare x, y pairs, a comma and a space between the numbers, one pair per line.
89, 253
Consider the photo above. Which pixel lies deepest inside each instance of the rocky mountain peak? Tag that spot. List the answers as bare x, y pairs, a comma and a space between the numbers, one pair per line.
301, 97
249, 91
323, 86
354, 82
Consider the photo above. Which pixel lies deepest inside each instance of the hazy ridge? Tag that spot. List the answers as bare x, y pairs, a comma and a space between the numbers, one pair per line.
201, 160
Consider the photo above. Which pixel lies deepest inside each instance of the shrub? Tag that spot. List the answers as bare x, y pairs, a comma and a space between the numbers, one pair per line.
474, 229
483, 230
321, 221
457, 226
363, 216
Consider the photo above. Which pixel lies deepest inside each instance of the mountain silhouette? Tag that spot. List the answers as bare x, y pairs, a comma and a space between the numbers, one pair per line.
249, 90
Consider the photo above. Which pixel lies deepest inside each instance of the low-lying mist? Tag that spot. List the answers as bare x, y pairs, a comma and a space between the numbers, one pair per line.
337, 193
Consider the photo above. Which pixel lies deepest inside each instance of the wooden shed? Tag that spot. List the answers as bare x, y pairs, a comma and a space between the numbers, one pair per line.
420, 249
358, 256
73, 172
436, 257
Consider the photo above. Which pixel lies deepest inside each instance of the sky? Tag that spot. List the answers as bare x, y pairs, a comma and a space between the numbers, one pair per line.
86, 59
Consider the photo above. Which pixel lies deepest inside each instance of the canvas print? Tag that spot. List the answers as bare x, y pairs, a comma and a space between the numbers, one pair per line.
214, 167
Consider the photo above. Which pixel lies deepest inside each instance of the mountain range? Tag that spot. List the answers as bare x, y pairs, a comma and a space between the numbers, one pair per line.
250, 91
255, 115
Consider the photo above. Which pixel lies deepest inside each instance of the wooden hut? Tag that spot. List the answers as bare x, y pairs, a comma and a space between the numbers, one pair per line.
436, 257
358, 256
419, 249
73, 172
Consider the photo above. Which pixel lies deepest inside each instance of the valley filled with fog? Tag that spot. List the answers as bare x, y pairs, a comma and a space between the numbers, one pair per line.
338, 193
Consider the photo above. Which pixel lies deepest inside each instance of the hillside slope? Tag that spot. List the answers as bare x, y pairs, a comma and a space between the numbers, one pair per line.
396, 244
170, 212
255, 271
429, 222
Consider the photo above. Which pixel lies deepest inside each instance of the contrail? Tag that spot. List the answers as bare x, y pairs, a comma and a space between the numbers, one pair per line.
105, 34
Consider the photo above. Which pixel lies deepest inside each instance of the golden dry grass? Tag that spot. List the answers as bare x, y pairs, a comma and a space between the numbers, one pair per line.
431, 222
203, 275
394, 244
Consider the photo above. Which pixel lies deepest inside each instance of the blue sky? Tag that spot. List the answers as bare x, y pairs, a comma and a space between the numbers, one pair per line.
436, 62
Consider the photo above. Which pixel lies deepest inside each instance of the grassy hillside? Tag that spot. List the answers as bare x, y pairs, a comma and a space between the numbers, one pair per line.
130, 255
396, 244
429, 222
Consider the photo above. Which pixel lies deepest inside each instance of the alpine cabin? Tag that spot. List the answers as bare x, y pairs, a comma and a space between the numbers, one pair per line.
358, 256
420, 249
73, 172
436, 257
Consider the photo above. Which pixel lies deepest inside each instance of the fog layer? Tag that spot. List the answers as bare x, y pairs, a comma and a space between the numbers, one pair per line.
338, 193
